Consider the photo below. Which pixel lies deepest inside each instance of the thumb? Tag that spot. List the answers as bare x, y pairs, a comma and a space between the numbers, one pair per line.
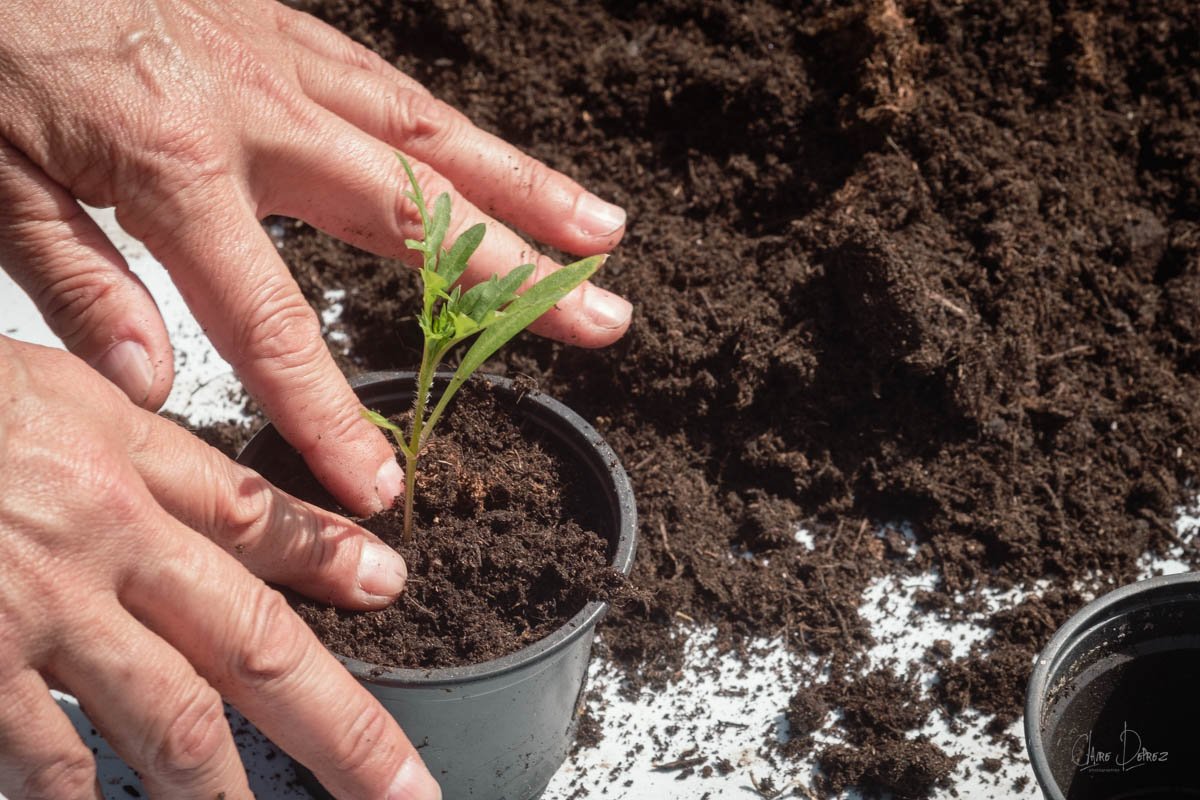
80, 283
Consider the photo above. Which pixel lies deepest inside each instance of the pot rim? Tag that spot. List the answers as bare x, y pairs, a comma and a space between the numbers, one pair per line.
579, 624
1156, 590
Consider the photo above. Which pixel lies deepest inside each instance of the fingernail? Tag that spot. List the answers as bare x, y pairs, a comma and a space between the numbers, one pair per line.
389, 482
127, 365
381, 570
607, 310
413, 782
595, 217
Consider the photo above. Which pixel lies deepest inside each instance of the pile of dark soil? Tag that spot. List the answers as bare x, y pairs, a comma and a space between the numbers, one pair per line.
891, 259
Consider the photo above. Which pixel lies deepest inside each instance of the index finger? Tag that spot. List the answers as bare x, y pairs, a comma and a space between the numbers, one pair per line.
241, 293
245, 640
328, 194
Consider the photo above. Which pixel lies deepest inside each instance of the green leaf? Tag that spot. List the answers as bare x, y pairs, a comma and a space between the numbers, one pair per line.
507, 289
454, 261
478, 294
434, 286
464, 326
415, 194
536, 300
382, 421
443, 324
496, 292
435, 232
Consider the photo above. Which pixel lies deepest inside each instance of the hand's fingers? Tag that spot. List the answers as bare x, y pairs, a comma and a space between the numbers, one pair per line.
312, 34
41, 755
491, 173
274, 535
329, 193
242, 294
80, 283
246, 642
175, 735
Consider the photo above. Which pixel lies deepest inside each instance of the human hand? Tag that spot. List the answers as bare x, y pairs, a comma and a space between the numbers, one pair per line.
196, 119
110, 589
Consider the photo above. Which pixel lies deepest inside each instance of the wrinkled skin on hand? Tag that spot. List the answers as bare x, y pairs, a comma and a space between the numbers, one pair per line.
126, 546
126, 550
196, 119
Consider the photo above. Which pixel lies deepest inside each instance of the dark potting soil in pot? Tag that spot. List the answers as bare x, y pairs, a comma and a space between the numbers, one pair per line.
508, 545
928, 261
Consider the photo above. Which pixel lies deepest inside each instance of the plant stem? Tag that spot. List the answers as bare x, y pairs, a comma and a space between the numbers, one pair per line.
424, 380
410, 485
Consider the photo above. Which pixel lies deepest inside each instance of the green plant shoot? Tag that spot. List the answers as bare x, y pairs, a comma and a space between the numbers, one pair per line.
491, 310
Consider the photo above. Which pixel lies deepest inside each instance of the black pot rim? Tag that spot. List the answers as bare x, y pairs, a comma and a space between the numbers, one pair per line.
1154, 590
580, 623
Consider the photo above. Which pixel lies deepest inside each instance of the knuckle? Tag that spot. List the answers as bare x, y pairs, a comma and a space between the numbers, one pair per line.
256, 514
168, 153
244, 515
319, 551
308, 549
364, 740
358, 55
195, 737
413, 117
183, 145
274, 645
72, 776
346, 424
70, 301
177, 162
106, 484
283, 330
532, 179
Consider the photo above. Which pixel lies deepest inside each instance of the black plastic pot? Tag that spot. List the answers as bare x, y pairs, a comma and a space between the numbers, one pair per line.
500, 729
1113, 705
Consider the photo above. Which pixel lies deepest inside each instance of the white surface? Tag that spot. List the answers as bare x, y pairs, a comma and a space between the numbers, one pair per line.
733, 727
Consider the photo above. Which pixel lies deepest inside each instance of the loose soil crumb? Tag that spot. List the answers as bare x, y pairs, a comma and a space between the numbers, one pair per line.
892, 260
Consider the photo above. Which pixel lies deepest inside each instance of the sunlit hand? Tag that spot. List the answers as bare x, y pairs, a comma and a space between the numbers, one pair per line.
197, 118
120, 541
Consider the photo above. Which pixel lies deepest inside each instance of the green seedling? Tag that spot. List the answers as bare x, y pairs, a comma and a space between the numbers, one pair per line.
492, 311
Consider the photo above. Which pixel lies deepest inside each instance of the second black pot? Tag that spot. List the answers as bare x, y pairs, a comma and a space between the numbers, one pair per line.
1113, 705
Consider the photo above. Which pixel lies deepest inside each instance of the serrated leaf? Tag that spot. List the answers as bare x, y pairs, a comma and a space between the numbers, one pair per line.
434, 288
464, 326
477, 295
536, 300
439, 225
454, 261
483, 299
506, 291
